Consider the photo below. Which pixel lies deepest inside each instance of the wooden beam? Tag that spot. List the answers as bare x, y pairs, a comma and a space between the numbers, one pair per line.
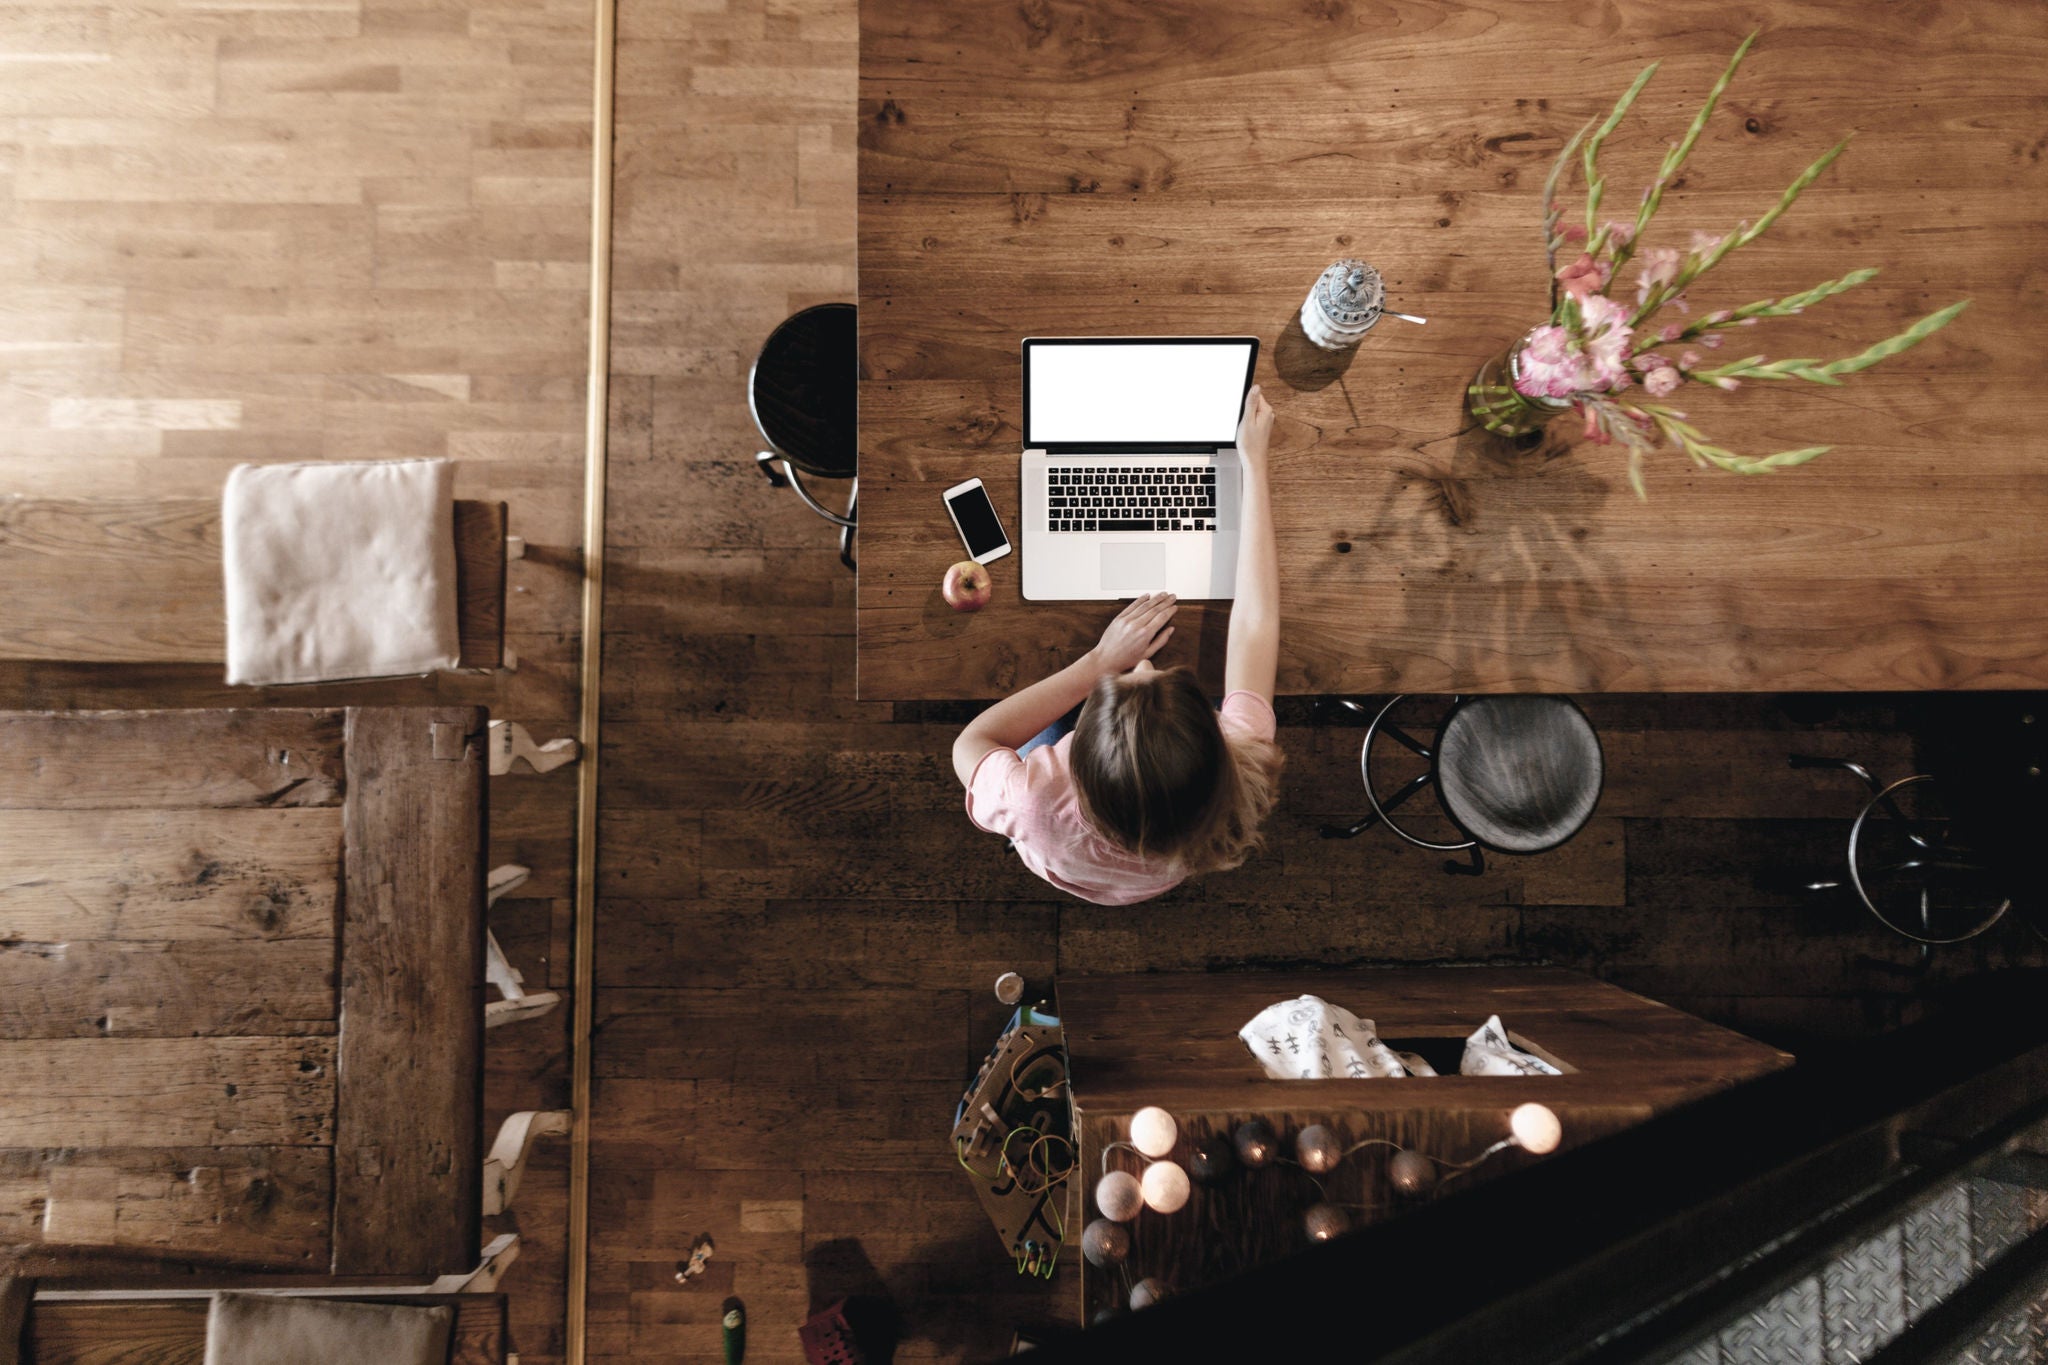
167, 1092
408, 1137
81, 760
173, 1331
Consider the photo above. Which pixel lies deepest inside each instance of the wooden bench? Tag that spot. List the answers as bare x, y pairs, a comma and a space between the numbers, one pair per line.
138, 580
95, 1329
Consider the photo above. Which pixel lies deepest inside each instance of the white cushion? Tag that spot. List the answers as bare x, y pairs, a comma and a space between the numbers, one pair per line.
339, 570
272, 1329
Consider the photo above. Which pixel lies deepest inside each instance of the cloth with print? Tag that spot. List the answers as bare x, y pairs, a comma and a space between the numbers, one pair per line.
1489, 1053
1308, 1038
338, 570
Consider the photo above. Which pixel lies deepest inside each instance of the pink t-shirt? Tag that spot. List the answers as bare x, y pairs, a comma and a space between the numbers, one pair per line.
1033, 801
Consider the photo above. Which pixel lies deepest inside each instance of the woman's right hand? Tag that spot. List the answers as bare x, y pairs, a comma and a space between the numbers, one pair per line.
1139, 631
1255, 430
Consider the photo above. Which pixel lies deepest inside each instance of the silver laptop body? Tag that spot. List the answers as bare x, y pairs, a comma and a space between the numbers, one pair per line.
1131, 477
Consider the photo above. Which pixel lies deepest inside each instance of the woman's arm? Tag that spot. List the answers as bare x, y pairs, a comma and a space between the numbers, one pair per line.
1251, 658
1139, 631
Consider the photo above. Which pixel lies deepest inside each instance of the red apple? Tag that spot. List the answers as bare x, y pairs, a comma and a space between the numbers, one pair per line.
968, 586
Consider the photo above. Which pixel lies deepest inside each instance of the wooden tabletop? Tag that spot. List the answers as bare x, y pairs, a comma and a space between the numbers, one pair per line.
1127, 167
242, 970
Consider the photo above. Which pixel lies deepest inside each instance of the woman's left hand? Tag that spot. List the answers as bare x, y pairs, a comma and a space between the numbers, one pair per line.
1139, 631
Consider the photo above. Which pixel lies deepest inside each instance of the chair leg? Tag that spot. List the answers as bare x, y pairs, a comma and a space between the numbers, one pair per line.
509, 743
497, 1258
766, 460
1475, 868
506, 1164
846, 531
1408, 789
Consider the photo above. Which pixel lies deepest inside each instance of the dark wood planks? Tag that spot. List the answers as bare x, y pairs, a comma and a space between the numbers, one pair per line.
137, 580
173, 1331
148, 759
1126, 169
407, 1130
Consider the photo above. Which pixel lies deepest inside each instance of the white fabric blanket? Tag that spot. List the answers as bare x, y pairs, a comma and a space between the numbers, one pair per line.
339, 570
1308, 1038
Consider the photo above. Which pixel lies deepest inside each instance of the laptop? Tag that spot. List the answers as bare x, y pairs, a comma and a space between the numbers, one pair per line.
1131, 476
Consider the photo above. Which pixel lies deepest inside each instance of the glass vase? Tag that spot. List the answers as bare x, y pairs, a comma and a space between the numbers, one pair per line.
1495, 404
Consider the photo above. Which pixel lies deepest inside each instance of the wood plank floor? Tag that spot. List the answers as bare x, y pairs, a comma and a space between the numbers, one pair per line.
323, 229
797, 926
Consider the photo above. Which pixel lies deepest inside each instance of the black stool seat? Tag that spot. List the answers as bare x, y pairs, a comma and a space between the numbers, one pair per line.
804, 390
1519, 774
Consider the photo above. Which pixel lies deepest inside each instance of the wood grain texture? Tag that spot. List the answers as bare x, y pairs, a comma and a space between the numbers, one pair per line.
408, 1136
1126, 168
173, 1331
145, 760
137, 581
175, 1092
251, 1205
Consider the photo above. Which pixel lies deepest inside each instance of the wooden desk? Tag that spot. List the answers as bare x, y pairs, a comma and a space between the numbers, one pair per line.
1172, 1041
138, 580
1126, 167
243, 975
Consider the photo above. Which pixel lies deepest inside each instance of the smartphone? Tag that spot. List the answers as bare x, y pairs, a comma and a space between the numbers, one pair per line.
974, 516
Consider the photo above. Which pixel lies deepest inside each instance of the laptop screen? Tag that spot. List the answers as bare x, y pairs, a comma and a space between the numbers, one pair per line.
1112, 391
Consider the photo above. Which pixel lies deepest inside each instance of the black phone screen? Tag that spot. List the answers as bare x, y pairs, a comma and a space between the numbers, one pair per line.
977, 518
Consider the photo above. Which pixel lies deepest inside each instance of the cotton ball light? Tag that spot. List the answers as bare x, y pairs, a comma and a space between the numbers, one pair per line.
1255, 1144
1412, 1173
1325, 1222
1165, 1187
1149, 1291
1317, 1148
1211, 1159
1118, 1196
1105, 1244
1535, 1128
1153, 1131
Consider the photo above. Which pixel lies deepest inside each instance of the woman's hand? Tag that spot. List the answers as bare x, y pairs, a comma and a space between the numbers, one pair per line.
1255, 431
1138, 632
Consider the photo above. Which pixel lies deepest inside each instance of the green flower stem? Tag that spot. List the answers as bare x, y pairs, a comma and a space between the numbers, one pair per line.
1763, 308
1813, 371
1551, 214
1742, 236
1675, 158
1704, 452
1595, 185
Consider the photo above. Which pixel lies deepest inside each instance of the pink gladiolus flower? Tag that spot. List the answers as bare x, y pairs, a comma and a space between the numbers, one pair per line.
1547, 366
1607, 341
1669, 332
1690, 360
1659, 268
1620, 234
1649, 361
1581, 278
1594, 432
1705, 243
1727, 383
1574, 234
1712, 341
1660, 382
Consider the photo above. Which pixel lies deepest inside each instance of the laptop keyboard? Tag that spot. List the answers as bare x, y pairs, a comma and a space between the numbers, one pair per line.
1120, 498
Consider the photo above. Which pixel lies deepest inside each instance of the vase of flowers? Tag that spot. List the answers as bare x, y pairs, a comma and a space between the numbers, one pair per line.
1614, 356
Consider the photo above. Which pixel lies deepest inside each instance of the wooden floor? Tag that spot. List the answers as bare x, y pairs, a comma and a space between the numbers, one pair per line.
798, 927
323, 229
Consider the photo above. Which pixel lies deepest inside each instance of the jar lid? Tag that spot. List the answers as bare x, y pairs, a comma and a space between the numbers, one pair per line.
1350, 293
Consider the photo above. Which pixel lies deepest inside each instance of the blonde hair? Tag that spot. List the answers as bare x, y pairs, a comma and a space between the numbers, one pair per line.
1156, 774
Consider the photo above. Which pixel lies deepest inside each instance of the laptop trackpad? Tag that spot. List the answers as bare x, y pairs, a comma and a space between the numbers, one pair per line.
1130, 569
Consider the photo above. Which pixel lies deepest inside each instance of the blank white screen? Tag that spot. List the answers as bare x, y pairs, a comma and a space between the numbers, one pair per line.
1137, 391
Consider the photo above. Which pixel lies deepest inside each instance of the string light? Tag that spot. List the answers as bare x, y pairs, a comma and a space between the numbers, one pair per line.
1412, 1173
1535, 1128
1165, 1187
1317, 1149
1153, 1131
1105, 1244
1149, 1291
1255, 1144
1211, 1159
1119, 1196
1325, 1222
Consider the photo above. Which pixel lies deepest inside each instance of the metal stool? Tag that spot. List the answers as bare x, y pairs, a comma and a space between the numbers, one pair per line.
1516, 774
1911, 864
804, 394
